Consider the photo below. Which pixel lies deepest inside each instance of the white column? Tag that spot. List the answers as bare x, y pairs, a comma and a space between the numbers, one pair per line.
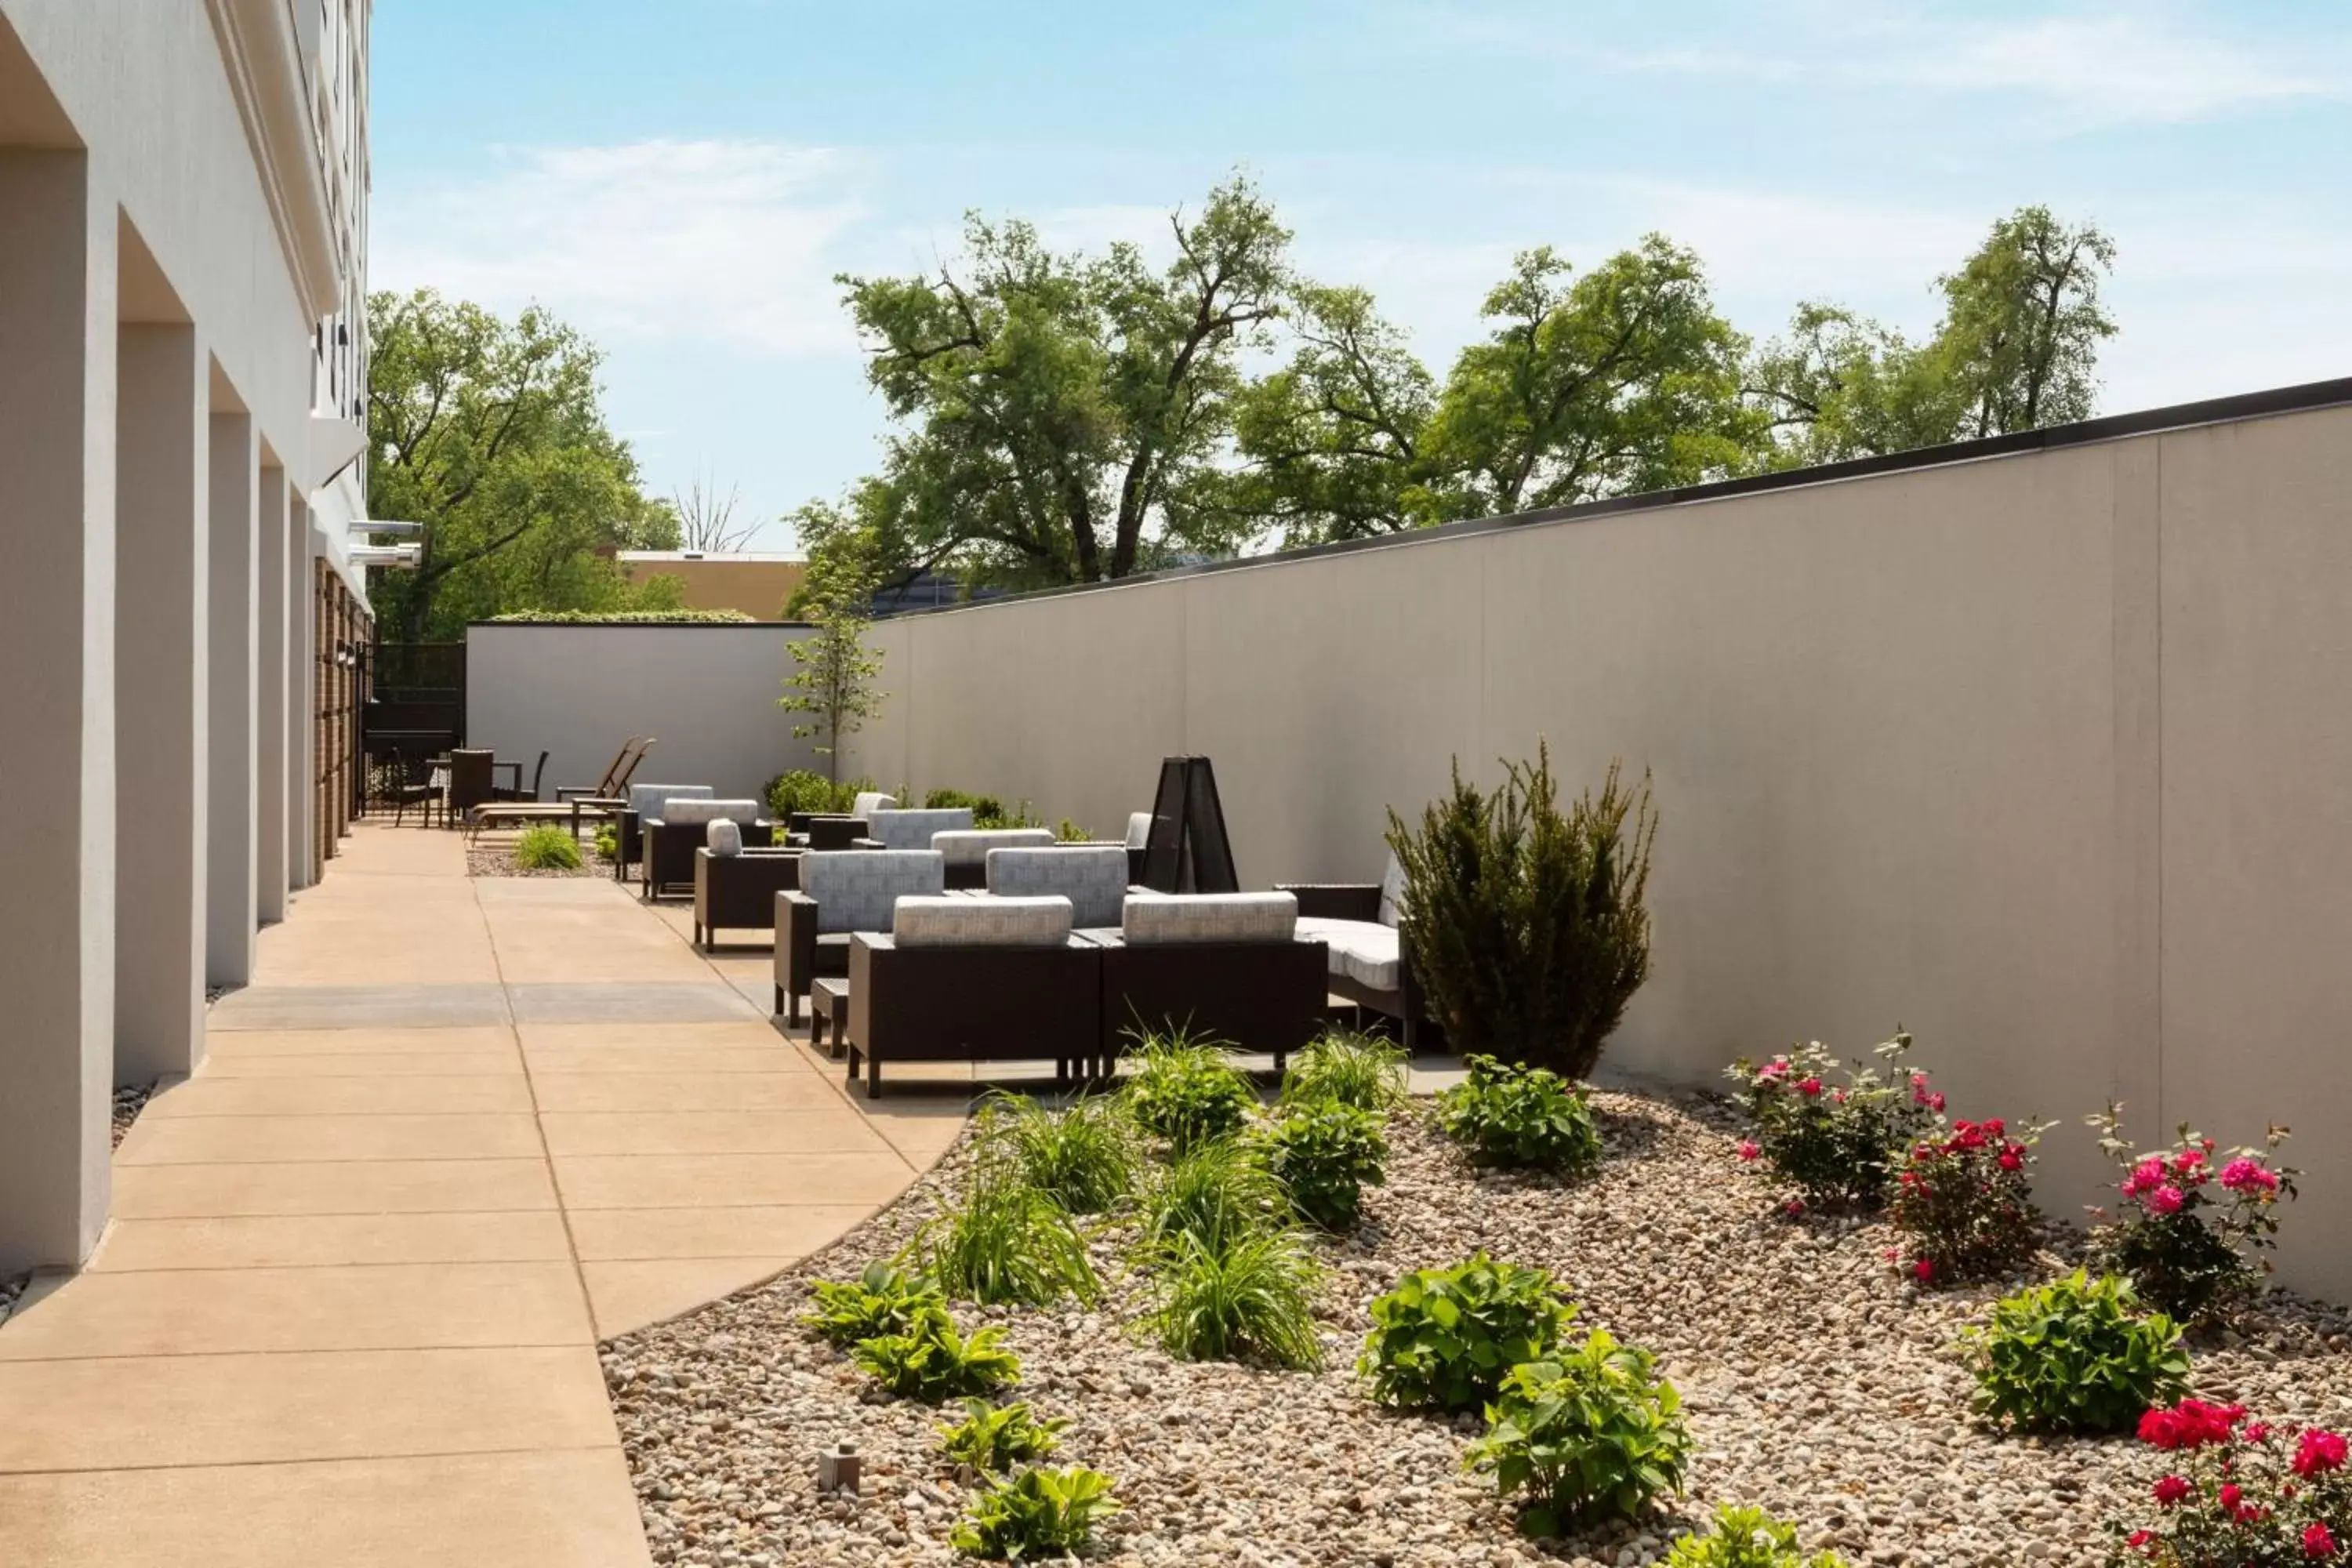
271, 767
57, 705
301, 698
234, 647
161, 443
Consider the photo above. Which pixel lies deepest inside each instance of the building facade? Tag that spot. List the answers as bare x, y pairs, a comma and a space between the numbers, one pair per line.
183, 414
756, 583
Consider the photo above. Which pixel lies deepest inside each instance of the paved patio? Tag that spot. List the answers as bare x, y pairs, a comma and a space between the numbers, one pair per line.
457, 1131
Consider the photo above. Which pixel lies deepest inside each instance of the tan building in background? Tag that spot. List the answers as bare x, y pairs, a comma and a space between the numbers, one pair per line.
756, 583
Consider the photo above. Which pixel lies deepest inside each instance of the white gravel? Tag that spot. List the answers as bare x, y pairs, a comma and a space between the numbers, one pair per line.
129, 1102
1817, 1385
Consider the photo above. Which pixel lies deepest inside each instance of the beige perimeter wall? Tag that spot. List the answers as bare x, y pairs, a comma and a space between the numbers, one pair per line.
2047, 758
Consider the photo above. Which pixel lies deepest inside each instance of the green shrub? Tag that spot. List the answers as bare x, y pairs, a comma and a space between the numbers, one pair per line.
1838, 1145
987, 811
1186, 1090
1068, 832
1007, 1242
1324, 1154
2075, 1355
932, 1362
1350, 1067
1216, 1192
999, 1436
1527, 925
1444, 1337
679, 616
545, 846
1040, 1513
2196, 1220
608, 842
1251, 1300
1520, 1116
884, 1300
1591, 1435
1747, 1538
1085, 1158
801, 789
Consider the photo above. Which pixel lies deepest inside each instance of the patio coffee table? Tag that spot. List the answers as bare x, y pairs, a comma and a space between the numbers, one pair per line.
828, 1003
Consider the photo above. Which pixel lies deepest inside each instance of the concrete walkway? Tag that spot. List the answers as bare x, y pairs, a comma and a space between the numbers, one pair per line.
457, 1131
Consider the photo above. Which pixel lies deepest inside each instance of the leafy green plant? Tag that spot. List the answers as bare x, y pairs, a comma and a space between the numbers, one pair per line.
884, 1300
545, 846
1068, 832
1747, 1538
932, 1361
1085, 1158
1324, 1154
801, 789
2075, 1355
1592, 1434
1349, 1066
999, 1436
1251, 1300
1038, 1513
679, 616
1526, 923
1520, 1117
1216, 1192
1838, 1144
1007, 1242
1444, 1337
2196, 1221
987, 811
608, 842
1186, 1090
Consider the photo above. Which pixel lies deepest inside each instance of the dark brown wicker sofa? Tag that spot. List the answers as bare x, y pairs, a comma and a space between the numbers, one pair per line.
841, 891
1233, 967
644, 800
1362, 928
974, 980
737, 890
684, 826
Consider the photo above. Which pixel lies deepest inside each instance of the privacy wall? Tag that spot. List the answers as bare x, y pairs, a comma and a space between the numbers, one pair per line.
2046, 757
707, 693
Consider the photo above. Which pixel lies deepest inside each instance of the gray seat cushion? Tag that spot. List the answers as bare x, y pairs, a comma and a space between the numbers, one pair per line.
1159, 919
1370, 954
913, 829
856, 889
944, 922
1093, 877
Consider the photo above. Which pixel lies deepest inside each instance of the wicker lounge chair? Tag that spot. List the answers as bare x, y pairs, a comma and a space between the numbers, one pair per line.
1233, 967
670, 839
842, 891
1361, 924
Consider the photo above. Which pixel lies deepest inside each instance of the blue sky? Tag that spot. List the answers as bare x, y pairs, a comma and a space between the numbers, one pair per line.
683, 178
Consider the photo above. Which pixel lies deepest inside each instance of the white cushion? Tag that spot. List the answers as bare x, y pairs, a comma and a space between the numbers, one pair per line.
946, 921
723, 837
1152, 918
646, 800
913, 829
1366, 953
1138, 829
1391, 893
870, 801
854, 888
970, 847
696, 811
1093, 877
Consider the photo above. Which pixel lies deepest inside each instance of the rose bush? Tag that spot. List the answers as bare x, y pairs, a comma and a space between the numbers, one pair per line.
1838, 1144
2238, 1492
2189, 1219
1963, 1202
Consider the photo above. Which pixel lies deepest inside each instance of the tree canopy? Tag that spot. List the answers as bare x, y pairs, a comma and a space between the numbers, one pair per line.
489, 433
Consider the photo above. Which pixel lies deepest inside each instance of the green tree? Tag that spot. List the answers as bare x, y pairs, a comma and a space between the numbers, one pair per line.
488, 433
1051, 407
832, 680
1624, 380
1331, 442
1840, 385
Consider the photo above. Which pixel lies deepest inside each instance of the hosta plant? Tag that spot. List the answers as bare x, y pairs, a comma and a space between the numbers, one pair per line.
1038, 1514
887, 1298
1085, 1158
932, 1361
1349, 1066
1521, 1119
1215, 1193
2075, 1355
1445, 1338
1838, 1144
1250, 1300
2237, 1492
1325, 1153
1186, 1090
1590, 1434
1006, 1243
1963, 1202
999, 1436
2195, 1221
1747, 1538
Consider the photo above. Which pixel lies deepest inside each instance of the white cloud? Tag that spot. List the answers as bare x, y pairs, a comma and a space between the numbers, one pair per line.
731, 242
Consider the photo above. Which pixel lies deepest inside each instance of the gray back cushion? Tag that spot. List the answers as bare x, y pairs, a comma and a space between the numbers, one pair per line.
1152, 919
1093, 877
870, 801
1138, 829
856, 889
913, 829
971, 846
694, 813
723, 837
980, 922
646, 800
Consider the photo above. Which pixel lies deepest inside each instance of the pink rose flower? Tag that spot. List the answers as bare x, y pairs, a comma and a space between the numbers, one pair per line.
1935, 1103
2244, 1175
2165, 1200
1749, 1149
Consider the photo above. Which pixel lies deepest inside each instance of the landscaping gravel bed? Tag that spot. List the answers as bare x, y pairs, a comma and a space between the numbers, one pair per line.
1817, 1384
129, 1102
10, 1289
494, 860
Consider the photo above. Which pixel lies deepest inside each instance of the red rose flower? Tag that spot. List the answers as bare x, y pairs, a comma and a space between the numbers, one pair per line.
2317, 1452
1748, 1149
2317, 1542
1811, 1088
2170, 1490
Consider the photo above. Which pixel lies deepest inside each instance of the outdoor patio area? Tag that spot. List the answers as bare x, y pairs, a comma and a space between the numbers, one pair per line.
457, 1130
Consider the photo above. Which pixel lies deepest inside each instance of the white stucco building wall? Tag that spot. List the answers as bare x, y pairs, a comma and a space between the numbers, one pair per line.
183, 383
